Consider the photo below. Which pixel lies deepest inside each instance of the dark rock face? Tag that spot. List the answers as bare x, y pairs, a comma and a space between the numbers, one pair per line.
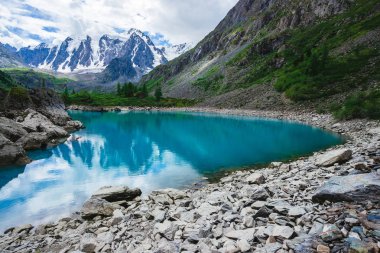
82, 55
352, 188
33, 141
11, 130
35, 56
115, 194
120, 67
11, 153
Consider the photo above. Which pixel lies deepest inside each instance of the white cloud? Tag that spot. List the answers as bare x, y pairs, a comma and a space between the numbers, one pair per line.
179, 21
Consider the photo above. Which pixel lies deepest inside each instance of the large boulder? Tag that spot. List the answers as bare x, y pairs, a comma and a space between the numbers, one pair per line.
73, 125
353, 188
37, 122
335, 156
34, 140
11, 153
50, 104
117, 193
97, 207
11, 129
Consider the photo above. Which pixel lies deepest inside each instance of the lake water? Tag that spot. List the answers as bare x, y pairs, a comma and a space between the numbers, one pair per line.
149, 150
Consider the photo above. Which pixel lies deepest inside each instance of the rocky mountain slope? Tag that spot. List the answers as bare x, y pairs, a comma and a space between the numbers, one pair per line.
279, 54
7, 57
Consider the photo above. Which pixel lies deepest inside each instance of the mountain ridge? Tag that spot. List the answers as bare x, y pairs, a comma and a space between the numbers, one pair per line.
95, 55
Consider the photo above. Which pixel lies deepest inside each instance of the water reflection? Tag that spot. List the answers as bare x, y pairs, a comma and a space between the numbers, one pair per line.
145, 150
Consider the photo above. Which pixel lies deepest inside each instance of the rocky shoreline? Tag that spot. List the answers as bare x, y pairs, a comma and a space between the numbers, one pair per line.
31, 126
328, 202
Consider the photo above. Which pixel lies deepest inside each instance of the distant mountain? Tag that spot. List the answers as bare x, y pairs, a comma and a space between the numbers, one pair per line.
8, 57
75, 55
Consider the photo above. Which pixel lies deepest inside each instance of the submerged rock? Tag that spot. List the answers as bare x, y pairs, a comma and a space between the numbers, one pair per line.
335, 156
361, 187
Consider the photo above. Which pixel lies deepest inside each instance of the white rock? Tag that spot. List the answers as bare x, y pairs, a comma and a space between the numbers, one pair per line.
334, 156
246, 234
256, 178
243, 245
88, 243
205, 209
296, 211
282, 231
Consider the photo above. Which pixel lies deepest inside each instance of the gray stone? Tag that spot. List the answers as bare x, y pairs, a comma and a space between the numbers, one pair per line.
243, 245
37, 122
282, 232
260, 194
88, 243
11, 129
263, 212
159, 214
361, 187
269, 248
246, 234
258, 204
11, 153
117, 217
166, 229
26, 227
117, 193
34, 140
97, 207
335, 156
330, 233
296, 211
205, 209
256, 178
73, 125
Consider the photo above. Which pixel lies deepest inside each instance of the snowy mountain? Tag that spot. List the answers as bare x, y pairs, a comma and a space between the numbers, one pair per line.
91, 55
173, 51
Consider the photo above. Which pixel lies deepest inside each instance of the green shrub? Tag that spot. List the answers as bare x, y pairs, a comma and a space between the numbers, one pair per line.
360, 105
18, 92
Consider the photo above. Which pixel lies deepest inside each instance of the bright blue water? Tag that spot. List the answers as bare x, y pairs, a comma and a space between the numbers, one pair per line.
149, 150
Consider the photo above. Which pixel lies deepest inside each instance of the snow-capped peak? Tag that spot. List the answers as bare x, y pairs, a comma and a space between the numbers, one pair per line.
94, 54
173, 51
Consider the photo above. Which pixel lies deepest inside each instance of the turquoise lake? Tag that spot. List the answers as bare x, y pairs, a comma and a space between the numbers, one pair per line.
149, 150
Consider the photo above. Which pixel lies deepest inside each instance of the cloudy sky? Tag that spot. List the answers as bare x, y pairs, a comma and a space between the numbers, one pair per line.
28, 22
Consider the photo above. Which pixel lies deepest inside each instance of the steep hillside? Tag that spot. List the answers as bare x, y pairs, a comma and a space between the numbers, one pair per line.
6, 81
280, 54
34, 79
